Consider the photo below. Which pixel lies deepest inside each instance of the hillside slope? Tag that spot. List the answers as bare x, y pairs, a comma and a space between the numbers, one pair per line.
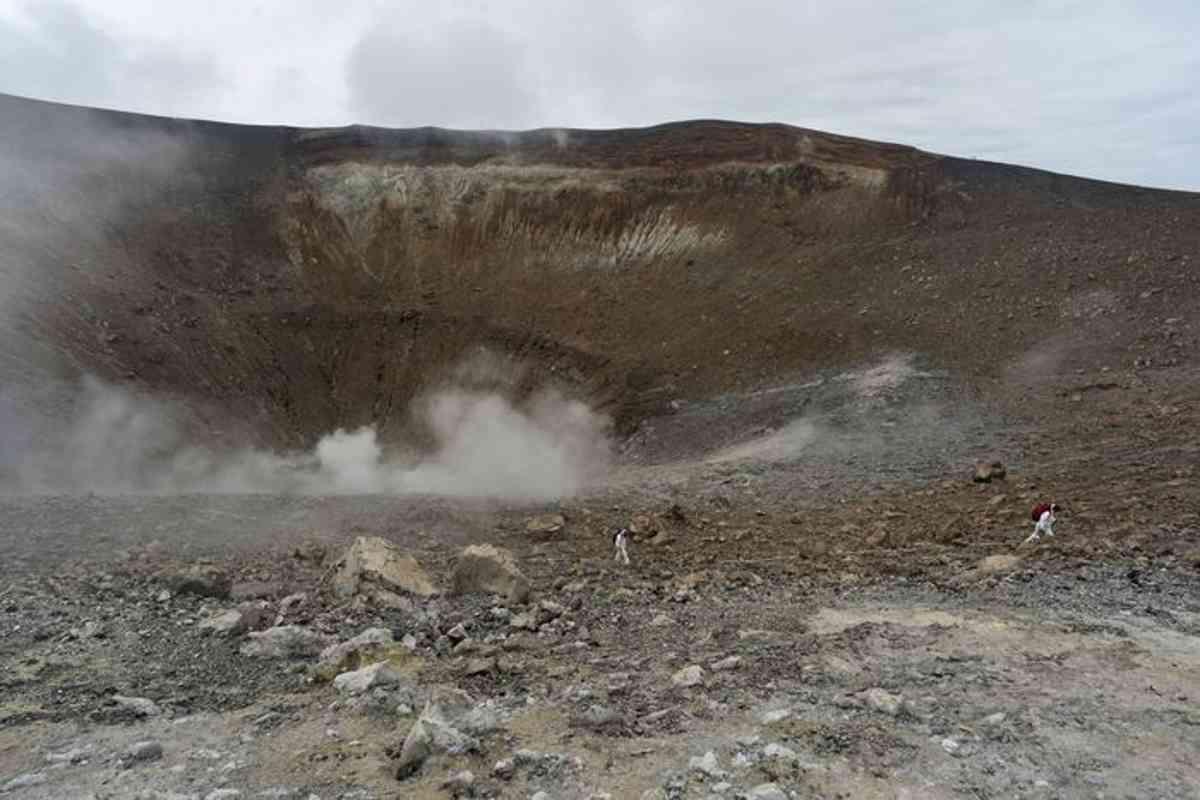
299, 280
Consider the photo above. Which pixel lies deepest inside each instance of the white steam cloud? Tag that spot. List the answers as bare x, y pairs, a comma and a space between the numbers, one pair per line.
486, 447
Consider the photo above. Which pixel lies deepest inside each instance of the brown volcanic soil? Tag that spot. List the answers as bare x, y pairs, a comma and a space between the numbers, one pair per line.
301, 280
807, 342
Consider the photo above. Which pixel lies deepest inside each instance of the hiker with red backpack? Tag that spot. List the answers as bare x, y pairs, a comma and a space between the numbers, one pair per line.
1043, 520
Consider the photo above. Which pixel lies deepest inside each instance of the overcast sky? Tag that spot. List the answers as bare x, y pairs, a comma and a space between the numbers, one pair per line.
1102, 88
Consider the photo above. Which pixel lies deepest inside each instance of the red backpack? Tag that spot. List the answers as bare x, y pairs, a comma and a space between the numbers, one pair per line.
1039, 509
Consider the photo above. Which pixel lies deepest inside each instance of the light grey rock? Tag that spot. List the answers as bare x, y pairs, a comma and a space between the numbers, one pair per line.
504, 769
284, 641
688, 676
434, 732
90, 630
524, 621
707, 764
201, 580
366, 679
552, 609
141, 752
141, 706
459, 783
226, 623
486, 568
775, 715
373, 564
883, 701
775, 750
767, 791
350, 654
75, 755
726, 664
25, 781
223, 794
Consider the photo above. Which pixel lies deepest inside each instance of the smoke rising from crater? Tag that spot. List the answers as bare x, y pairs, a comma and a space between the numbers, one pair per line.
486, 446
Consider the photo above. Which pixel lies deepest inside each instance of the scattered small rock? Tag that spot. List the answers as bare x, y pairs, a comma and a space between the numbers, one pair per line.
504, 769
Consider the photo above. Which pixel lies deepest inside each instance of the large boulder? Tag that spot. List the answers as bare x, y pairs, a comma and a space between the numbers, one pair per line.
435, 731
375, 568
487, 568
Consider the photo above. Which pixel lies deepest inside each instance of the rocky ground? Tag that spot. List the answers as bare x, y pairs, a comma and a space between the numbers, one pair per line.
773, 637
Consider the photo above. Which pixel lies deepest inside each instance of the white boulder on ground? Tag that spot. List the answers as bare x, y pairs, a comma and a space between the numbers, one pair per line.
376, 566
487, 568
364, 680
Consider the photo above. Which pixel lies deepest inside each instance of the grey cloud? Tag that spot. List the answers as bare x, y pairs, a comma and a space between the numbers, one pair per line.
461, 74
1096, 87
62, 55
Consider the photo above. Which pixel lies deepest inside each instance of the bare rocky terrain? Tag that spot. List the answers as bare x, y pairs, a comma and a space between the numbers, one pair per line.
808, 346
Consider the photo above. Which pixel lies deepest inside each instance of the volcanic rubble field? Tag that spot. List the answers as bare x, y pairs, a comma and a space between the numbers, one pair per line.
834, 377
